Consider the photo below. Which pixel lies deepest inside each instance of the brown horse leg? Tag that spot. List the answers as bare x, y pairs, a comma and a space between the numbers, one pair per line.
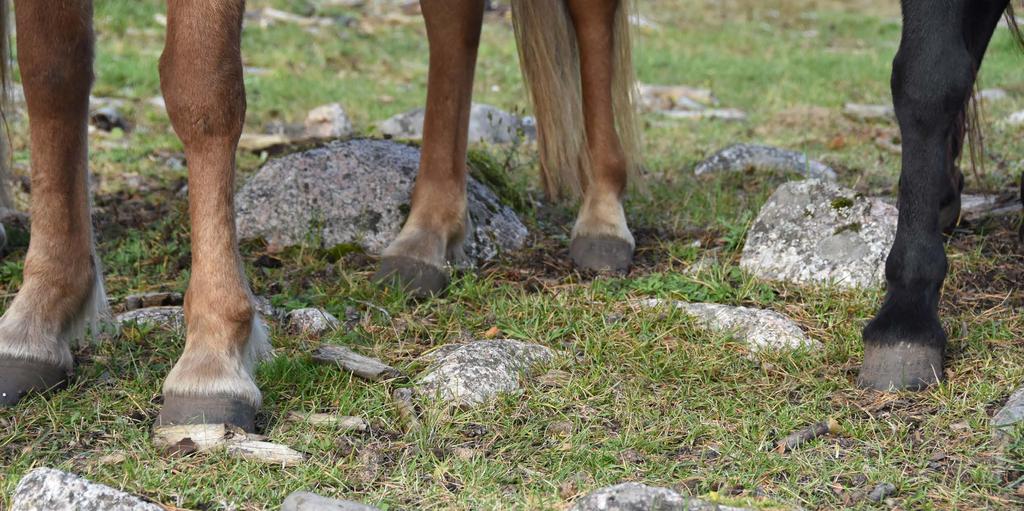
201, 78
61, 283
601, 239
437, 221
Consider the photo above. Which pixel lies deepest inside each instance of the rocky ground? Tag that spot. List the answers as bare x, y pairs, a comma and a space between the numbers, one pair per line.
718, 374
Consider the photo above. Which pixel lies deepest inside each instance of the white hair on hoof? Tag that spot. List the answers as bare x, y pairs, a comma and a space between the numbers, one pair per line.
205, 373
24, 335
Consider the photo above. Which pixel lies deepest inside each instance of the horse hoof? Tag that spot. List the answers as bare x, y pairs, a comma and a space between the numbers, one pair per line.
186, 410
414, 276
20, 377
601, 253
900, 366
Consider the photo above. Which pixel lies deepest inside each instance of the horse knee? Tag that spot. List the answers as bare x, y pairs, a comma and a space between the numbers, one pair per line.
931, 87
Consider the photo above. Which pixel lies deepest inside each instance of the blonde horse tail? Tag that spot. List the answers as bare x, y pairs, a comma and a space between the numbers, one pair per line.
549, 57
6, 200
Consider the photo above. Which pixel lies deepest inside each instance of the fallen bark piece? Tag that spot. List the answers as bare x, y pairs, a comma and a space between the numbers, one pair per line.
326, 419
205, 437
47, 489
266, 452
744, 157
155, 299
406, 409
807, 434
359, 365
256, 142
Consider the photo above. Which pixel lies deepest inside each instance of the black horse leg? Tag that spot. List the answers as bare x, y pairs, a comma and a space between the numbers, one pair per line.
933, 75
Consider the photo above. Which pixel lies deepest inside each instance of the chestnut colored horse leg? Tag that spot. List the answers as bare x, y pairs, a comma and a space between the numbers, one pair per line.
62, 284
601, 239
437, 222
201, 78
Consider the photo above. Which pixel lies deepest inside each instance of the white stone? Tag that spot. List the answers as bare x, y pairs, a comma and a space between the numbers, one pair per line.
311, 321
815, 231
762, 330
47, 489
471, 374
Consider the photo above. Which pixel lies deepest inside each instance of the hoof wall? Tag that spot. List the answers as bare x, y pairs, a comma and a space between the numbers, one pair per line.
601, 253
900, 366
185, 410
414, 276
20, 377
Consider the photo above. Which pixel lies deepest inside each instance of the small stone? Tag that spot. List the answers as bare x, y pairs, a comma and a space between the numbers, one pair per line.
328, 121
47, 489
640, 497
559, 428
815, 231
656, 98
470, 374
155, 299
306, 501
1016, 118
881, 491
748, 157
170, 317
355, 195
860, 112
486, 124
762, 330
720, 114
993, 95
1010, 415
362, 366
311, 321
108, 119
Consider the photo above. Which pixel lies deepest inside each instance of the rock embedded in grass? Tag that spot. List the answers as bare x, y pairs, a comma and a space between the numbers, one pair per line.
1010, 415
814, 231
486, 124
306, 501
470, 374
354, 196
762, 330
311, 321
640, 497
171, 317
750, 157
47, 489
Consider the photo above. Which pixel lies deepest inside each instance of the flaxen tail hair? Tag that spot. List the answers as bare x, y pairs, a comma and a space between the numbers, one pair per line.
549, 57
6, 200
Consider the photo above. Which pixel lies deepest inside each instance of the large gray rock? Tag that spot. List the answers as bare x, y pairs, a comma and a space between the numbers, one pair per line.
470, 374
762, 330
815, 231
486, 124
640, 497
357, 192
306, 501
47, 489
744, 157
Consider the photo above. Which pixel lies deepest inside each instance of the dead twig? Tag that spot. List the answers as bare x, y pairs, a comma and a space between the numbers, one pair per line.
798, 438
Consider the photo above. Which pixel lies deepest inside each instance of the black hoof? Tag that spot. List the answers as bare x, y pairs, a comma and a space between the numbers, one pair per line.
414, 276
900, 366
182, 410
20, 377
601, 253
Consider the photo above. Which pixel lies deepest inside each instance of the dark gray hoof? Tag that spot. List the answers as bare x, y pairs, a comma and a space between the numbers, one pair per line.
900, 366
601, 253
181, 410
414, 276
20, 377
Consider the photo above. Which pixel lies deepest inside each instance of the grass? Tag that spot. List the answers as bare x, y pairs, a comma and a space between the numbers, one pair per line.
648, 396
